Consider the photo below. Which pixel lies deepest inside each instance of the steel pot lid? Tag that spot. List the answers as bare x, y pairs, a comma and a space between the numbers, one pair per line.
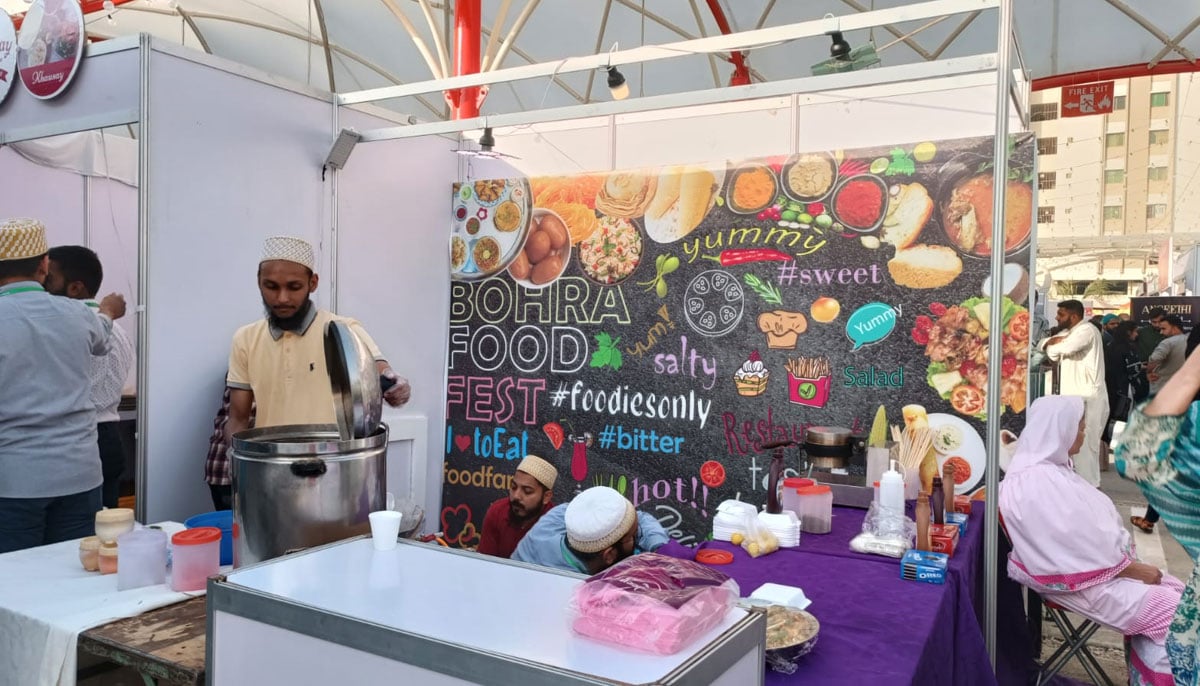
357, 398
827, 435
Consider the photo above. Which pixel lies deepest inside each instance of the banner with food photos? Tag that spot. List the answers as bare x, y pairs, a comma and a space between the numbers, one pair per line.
652, 329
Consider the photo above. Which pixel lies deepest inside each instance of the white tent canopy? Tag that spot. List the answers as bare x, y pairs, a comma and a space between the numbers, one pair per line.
373, 43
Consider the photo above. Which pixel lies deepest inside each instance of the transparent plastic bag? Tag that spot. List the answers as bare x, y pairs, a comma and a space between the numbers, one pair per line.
652, 603
884, 533
758, 539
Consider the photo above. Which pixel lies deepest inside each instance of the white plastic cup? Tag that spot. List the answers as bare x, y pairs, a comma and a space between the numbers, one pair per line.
385, 528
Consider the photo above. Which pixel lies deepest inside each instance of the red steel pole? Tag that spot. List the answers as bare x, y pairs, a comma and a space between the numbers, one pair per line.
741, 72
468, 28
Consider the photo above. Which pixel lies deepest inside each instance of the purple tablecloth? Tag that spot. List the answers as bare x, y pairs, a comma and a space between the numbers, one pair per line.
879, 629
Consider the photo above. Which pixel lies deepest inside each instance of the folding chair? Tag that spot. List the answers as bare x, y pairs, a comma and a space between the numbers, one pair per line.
1075, 640
1075, 645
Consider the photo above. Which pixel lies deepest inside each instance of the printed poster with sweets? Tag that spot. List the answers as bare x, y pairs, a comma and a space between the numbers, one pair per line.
652, 329
8, 54
51, 46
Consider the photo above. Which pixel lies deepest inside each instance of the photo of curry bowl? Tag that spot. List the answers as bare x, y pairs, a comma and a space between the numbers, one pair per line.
752, 188
964, 207
809, 176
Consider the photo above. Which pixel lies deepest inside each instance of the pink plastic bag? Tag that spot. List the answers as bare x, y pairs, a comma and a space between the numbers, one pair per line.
653, 603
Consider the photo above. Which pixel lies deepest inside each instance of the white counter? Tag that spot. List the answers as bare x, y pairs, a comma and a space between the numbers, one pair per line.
476, 605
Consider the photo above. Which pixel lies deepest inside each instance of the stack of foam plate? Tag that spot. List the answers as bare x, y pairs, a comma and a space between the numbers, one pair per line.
729, 518
785, 526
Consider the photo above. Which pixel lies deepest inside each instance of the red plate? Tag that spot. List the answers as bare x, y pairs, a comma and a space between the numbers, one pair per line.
710, 556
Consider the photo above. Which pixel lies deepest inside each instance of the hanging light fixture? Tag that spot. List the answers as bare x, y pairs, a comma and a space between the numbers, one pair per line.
616, 84
840, 49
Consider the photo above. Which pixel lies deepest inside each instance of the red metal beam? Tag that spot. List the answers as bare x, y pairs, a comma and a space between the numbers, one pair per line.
741, 72
468, 28
1113, 73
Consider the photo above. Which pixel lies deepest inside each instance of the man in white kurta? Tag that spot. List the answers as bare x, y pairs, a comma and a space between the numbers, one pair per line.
1079, 352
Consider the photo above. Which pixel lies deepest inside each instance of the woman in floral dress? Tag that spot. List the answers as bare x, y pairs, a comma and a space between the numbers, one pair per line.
1160, 450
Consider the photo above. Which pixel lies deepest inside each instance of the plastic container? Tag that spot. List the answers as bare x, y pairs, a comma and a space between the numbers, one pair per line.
891, 490
876, 496
143, 559
89, 553
106, 558
112, 523
221, 519
790, 499
816, 509
195, 556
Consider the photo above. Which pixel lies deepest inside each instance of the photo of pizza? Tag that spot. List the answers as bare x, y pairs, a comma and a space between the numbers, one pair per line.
956, 343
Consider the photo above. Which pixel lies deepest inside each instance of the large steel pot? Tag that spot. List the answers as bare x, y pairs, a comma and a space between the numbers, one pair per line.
300, 486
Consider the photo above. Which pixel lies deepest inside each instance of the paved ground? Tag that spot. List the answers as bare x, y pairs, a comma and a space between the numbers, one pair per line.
1159, 549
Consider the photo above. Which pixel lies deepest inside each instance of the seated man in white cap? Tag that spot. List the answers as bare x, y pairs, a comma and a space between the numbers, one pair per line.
277, 364
508, 519
50, 474
596, 530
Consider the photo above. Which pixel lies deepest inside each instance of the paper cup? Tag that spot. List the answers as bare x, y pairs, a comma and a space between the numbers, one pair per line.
385, 528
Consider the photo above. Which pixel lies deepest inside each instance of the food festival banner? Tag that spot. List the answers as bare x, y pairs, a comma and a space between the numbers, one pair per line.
652, 329
51, 46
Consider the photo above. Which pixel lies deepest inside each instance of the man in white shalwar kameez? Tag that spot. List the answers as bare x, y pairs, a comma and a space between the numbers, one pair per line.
1079, 352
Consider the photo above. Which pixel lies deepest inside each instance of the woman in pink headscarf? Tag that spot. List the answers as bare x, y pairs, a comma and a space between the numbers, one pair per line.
1070, 544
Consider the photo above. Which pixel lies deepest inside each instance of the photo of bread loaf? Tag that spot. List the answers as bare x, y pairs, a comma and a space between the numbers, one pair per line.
925, 266
908, 211
683, 197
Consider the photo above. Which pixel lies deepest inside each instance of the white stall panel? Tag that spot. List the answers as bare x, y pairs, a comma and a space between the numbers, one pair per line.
232, 161
393, 275
112, 231
56, 197
105, 92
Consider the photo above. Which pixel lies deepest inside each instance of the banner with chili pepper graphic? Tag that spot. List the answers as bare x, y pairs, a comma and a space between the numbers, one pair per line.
652, 329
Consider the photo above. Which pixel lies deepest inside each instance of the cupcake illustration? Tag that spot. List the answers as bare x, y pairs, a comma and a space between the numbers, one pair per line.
751, 377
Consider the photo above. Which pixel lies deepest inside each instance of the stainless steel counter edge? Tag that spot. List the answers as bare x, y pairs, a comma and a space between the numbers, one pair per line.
486, 668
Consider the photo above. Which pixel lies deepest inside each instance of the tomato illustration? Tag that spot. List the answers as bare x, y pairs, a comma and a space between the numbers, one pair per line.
967, 399
712, 473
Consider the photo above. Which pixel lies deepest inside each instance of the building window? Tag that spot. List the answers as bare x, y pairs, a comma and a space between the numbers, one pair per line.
1159, 99
1119, 102
1047, 180
1114, 140
1159, 137
1156, 211
1114, 176
1046, 215
1112, 212
1044, 111
1157, 173
1047, 146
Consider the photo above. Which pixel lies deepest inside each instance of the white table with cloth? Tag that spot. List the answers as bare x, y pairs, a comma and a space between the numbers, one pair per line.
47, 599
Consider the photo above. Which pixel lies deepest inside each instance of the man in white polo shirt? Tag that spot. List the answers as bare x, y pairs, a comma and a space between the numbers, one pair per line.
277, 364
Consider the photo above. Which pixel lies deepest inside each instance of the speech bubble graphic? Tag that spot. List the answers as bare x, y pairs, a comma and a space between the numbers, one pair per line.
872, 323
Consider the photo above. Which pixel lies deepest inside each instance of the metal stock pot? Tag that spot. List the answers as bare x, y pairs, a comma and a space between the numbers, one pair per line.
300, 486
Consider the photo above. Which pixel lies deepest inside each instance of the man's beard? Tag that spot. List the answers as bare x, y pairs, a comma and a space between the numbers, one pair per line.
292, 323
521, 515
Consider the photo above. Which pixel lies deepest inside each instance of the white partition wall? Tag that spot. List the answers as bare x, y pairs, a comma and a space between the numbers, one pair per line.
232, 159
393, 262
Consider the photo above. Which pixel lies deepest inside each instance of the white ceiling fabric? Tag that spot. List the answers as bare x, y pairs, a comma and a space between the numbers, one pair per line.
372, 41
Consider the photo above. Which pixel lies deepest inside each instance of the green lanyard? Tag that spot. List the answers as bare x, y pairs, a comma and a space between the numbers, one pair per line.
23, 289
571, 558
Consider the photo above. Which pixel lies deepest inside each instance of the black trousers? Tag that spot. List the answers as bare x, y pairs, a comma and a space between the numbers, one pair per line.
112, 461
222, 497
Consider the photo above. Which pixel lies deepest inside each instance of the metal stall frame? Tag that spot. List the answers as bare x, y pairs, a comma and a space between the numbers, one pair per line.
1004, 68
444, 657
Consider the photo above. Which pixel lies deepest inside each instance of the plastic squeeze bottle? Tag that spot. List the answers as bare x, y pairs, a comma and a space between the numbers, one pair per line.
891, 490
938, 501
922, 515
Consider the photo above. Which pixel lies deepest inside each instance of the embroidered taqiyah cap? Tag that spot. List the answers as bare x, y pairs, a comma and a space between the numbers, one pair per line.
21, 239
543, 471
598, 518
289, 248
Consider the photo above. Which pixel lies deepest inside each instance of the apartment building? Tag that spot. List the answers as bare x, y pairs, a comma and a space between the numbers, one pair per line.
1111, 188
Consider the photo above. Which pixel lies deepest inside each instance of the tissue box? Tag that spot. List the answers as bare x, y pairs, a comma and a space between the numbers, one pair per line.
960, 519
926, 567
943, 538
962, 503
